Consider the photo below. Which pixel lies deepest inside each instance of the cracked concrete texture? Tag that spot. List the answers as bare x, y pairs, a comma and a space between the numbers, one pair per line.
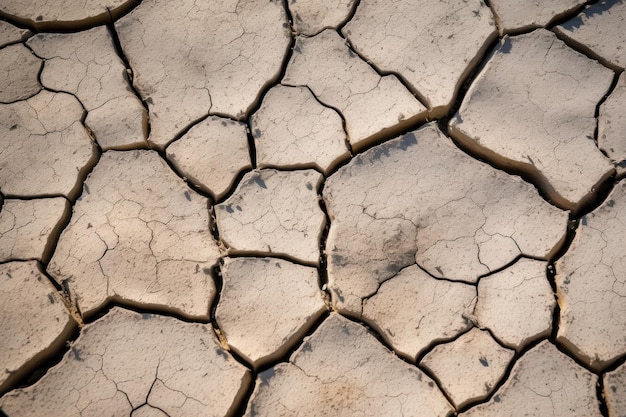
432, 48
138, 233
216, 62
284, 194
86, 65
343, 370
127, 360
541, 96
591, 285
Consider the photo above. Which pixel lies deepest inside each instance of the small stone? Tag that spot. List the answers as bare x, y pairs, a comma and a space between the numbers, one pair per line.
27, 226
516, 15
516, 304
86, 65
125, 360
274, 212
138, 233
414, 310
46, 149
218, 61
369, 103
212, 154
258, 291
312, 16
432, 45
468, 367
33, 321
533, 105
598, 28
591, 285
615, 391
343, 370
543, 382
19, 72
612, 123
291, 129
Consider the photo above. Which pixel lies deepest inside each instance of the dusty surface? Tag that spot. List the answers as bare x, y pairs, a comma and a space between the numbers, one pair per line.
312, 208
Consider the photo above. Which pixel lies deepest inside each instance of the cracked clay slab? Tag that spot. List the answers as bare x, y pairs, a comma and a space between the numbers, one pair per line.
258, 291
612, 124
33, 320
417, 198
312, 16
599, 29
517, 15
11, 34
291, 129
339, 78
27, 226
432, 45
211, 154
533, 108
46, 149
468, 367
615, 391
125, 361
140, 234
543, 383
86, 65
591, 285
19, 73
274, 212
218, 61
522, 291
410, 311
342, 370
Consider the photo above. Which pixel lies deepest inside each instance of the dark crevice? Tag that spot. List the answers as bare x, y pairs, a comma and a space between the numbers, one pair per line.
602, 406
505, 376
234, 253
323, 260
350, 16
71, 26
129, 76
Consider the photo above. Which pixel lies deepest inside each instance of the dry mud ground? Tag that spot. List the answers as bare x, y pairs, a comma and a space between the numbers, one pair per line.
312, 208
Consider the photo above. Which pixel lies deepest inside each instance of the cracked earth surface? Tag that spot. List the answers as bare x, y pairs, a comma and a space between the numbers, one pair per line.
312, 208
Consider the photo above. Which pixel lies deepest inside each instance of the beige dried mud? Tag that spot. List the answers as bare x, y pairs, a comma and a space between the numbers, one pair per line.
125, 360
140, 235
532, 109
19, 72
591, 285
418, 199
217, 62
343, 370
